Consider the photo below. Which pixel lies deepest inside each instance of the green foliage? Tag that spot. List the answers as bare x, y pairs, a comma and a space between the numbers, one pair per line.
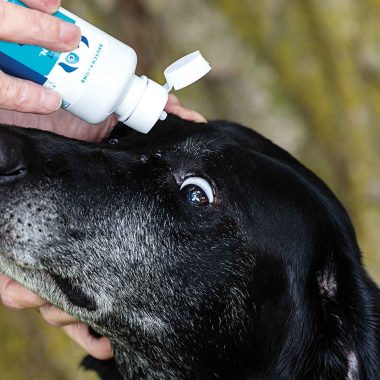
324, 55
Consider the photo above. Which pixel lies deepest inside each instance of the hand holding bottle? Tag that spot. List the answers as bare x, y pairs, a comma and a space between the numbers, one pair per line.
97, 79
36, 27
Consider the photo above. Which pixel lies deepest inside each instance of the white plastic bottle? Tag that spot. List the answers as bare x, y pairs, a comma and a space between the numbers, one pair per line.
98, 78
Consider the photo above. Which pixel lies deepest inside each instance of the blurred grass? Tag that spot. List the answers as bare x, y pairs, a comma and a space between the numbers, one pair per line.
317, 50
32, 350
305, 73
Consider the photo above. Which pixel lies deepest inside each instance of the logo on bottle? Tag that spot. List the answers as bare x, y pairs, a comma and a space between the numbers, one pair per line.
72, 59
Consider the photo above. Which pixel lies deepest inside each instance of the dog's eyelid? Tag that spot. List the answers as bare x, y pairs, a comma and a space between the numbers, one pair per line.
203, 184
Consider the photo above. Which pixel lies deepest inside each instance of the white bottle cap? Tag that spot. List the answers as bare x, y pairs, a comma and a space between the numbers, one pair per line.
143, 104
186, 71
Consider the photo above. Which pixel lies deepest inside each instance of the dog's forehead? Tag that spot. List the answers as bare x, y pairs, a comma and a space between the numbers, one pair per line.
174, 134
200, 145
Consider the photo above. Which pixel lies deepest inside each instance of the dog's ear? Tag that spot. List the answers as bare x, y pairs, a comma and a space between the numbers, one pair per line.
345, 310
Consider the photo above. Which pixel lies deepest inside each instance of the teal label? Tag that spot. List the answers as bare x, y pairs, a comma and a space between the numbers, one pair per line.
36, 58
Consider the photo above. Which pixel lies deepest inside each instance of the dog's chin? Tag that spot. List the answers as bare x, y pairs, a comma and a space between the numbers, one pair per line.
17, 261
23, 272
45, 285
15, 268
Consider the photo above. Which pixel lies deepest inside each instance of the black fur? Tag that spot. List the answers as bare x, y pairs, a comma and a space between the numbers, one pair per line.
106, 369
266, 282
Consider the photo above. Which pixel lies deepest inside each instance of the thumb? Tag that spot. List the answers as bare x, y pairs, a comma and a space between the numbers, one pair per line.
24, 96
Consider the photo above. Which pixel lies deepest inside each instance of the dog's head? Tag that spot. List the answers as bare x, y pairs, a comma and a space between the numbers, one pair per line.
199, 250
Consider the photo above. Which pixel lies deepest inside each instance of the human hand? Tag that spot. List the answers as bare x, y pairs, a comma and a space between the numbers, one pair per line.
27, 104
34, 26
15, 296
175, 107
64, 123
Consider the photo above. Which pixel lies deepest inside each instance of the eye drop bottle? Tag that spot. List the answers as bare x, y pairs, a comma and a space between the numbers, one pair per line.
98, 78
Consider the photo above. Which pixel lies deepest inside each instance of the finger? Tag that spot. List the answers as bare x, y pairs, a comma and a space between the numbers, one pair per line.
29, 26
25, 96
3, 280
173, 101
49, 6
61, 122
55, 316
185, 113
77, 128
175, 107
99, 348
15, 296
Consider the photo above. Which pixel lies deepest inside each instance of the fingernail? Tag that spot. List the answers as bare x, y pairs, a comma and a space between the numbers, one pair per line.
52, 5
50, 100
69, 33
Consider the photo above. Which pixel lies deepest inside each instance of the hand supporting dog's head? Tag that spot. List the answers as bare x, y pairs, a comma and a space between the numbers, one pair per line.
201, 251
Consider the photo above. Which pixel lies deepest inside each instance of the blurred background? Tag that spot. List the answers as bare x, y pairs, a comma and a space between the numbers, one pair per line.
304, 73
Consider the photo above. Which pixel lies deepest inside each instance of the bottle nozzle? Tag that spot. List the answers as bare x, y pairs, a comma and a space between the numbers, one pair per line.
145, 100
163, 116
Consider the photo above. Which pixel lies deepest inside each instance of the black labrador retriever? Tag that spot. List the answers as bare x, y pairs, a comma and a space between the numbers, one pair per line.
201, 251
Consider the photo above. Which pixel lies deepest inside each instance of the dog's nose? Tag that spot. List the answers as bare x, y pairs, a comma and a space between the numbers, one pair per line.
13, 163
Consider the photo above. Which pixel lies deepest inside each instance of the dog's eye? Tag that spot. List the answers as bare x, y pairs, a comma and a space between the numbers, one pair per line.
198, 191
